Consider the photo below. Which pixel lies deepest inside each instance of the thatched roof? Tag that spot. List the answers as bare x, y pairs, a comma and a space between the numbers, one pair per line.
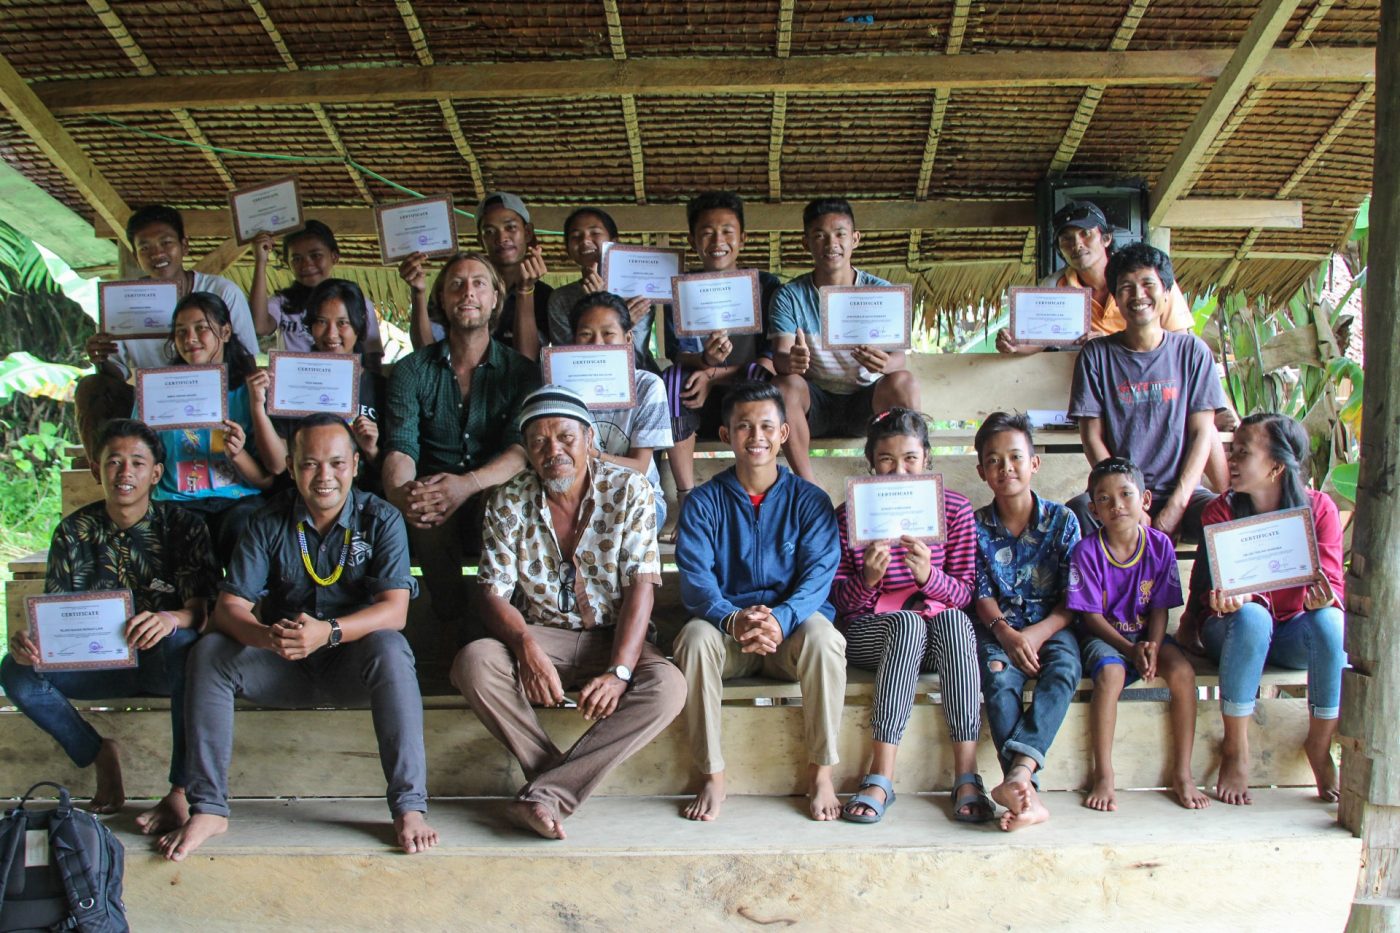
625, 102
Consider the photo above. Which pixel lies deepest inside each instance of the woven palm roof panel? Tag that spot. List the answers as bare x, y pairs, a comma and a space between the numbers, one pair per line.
686, 148
834, 144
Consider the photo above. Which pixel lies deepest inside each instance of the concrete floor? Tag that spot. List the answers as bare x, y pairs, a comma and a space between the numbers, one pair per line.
633, 863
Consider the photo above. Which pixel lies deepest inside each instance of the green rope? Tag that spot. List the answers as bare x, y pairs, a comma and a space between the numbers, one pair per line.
280, 157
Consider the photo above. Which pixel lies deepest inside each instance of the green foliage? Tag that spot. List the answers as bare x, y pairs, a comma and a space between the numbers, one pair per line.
25, 374
22, 267
30, 489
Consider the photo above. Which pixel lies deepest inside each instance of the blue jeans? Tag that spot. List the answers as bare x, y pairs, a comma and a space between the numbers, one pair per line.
43, 697
1028, 731
1244, 641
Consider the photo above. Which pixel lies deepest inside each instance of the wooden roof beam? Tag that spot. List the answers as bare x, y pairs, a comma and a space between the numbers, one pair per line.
825, 74
1244, 65
60, 148
1338, 127
775, 147
760, 216
450, 121
1089, 100
128, 44
784, 45
957, 30
317, 110
1310, 24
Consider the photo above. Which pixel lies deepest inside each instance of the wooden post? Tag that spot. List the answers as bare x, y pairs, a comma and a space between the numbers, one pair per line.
1370, 803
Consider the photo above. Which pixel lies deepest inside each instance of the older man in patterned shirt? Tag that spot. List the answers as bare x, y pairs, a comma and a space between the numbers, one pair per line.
573, 539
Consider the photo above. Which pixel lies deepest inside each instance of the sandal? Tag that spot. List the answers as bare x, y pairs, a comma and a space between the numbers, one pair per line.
981, 809
864, 800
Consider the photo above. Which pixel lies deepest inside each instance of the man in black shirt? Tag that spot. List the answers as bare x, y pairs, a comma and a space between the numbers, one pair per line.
330, 565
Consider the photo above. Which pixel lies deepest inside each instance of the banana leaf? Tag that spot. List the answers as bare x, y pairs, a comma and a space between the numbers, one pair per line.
24, 374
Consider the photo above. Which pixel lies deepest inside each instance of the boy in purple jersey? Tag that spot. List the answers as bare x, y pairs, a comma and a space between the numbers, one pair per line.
1122, 580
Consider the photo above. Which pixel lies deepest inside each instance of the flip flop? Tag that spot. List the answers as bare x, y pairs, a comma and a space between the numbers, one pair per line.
859, 800
981, 808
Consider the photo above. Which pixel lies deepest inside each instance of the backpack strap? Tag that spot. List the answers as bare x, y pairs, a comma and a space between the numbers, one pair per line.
11, 844
79, 880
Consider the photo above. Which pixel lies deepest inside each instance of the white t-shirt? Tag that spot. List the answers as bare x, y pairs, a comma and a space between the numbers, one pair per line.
646, 424
150, 354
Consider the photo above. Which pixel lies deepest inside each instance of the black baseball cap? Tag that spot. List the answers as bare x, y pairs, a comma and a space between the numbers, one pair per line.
1081, 214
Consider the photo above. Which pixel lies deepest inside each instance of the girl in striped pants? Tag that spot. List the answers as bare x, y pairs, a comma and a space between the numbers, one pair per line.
901, 607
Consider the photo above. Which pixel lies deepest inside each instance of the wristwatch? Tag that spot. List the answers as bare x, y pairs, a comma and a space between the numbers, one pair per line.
335, 633
622, 672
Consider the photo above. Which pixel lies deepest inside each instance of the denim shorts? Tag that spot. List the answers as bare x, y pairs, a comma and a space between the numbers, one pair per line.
1098, 653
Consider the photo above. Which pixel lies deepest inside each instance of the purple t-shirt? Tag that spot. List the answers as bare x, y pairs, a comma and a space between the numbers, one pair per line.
1123, 592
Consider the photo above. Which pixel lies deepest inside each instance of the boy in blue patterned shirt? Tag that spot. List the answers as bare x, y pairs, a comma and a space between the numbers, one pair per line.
1023, 548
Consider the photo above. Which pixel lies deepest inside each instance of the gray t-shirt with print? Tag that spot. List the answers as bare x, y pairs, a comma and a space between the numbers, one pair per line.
1144, 399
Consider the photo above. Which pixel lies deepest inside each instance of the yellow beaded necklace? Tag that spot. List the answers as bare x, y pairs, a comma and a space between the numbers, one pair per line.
306, 557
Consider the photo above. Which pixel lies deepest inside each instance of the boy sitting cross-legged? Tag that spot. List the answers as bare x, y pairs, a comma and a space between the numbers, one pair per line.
1123, 579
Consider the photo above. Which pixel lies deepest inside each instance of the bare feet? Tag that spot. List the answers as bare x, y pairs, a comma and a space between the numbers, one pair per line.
414, 833
823, 804
535, 817
1033, 812
1188, 794
1232, 786
170, 813
110, 794
1101, 796
705, 807
1324, 769
1015, 791
178, 844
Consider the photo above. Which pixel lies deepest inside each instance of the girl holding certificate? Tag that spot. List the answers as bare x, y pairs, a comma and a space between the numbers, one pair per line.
212, 471
902, 607
312, 254
1298, 628
626, 436
338, 317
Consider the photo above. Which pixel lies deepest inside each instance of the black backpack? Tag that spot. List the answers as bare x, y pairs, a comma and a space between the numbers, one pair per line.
79, 884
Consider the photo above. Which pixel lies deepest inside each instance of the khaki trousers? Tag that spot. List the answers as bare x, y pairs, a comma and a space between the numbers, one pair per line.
485, 672
814, 655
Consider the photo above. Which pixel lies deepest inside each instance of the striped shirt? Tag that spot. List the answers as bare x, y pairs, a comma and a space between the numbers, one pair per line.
951, 581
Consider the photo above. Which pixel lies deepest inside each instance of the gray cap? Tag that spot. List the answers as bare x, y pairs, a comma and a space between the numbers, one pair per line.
510, 202
553, 402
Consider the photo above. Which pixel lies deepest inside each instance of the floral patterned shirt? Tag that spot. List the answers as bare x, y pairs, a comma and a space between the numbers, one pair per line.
1026, 575
165, 559
521, 557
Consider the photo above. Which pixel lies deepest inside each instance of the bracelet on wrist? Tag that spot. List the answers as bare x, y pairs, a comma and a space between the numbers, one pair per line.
525, 291
992, 625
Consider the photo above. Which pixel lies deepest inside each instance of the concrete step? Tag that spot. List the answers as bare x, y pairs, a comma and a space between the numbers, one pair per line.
332, 752
329, 865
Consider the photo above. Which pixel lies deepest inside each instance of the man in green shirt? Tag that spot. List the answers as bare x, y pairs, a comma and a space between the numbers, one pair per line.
452, 436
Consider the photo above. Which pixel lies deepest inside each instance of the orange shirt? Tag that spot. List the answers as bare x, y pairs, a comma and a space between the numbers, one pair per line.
1107, 319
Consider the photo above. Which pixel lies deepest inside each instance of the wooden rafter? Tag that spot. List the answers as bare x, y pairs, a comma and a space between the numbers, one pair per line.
1338, 127
132, 49
818, 74
785, 8
1245, 63
1310, 23
61, 149
634, 147
319, 112
1089, 100
775, 147
775, 252
619, 47
1222, 138
763, 216
957, 29
450, 121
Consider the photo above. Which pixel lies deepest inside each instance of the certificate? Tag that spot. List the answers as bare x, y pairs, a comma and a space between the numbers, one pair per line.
711, 301
137, 310
603, 376
1049, 317
876, 316
884, 508
640, 271
172, 398
273, 207
1261, 553
81, 631
423, 225
312, 383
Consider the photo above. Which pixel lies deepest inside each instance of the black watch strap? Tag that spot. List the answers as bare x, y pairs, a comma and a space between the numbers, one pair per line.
335, 633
